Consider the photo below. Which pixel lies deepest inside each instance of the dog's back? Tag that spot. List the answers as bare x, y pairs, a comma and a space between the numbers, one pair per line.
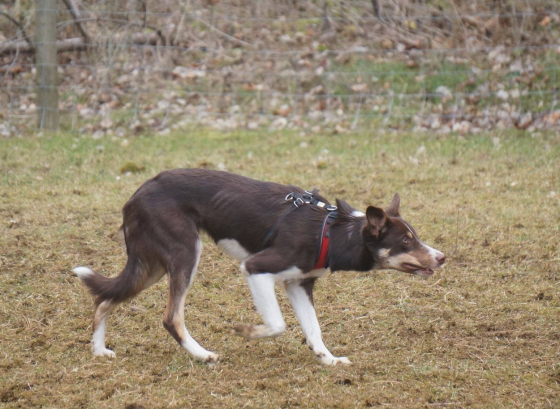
216, 202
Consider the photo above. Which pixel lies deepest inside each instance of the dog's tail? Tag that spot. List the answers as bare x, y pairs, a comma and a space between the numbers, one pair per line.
116, 289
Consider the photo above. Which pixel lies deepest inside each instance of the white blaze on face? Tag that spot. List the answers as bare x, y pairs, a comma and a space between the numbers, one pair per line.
434, 254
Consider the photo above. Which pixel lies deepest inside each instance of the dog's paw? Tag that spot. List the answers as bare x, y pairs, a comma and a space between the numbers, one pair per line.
104, 352
210, 358
244, 330
333, 360
248, 331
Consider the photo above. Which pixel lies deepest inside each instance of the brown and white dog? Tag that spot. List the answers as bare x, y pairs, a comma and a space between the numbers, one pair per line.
162, 222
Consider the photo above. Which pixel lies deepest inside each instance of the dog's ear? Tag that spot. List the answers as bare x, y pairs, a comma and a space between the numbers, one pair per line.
343, 207
376, 218
393, 209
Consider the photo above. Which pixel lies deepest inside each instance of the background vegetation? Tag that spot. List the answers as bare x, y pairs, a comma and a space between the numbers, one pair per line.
331, 66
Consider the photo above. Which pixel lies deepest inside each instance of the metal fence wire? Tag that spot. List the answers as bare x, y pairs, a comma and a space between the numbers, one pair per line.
318, 65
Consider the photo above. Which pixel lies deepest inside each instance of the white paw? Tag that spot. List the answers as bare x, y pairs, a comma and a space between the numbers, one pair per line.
104, 352
250, 331
209, 358
333, 360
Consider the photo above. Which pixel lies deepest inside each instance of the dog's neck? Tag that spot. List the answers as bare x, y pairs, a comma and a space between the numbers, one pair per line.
347, 250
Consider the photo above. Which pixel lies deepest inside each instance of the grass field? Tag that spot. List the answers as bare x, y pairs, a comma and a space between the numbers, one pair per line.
483, 332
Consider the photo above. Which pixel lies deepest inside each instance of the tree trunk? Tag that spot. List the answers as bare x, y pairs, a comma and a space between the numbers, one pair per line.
46, 63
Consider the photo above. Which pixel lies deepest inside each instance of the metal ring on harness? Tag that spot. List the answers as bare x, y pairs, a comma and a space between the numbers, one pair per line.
298, 200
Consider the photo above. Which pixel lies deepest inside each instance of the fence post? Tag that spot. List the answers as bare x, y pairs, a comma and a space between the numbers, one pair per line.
46, 64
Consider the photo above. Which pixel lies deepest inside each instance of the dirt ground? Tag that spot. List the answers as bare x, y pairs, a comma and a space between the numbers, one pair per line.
483, 332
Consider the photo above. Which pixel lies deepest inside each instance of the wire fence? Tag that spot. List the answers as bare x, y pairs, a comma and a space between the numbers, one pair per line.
318, 65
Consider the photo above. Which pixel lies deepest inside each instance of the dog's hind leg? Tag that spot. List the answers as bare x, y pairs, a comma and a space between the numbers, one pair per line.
99, 318
108, 293
182, 270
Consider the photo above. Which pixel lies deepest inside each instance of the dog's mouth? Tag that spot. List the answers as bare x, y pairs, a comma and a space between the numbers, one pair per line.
414, 269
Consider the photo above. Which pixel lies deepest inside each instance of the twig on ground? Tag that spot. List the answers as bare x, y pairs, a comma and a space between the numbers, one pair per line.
234, 39
118, 20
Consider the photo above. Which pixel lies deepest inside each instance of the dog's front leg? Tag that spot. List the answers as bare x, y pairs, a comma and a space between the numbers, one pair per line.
262, 290
300, 293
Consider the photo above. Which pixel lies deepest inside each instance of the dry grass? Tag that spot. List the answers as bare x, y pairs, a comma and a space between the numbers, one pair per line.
483, 332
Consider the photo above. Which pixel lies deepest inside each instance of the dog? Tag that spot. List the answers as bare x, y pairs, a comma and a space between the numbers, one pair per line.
281, 234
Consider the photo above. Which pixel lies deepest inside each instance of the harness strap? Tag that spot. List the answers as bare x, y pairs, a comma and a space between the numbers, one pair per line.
298, 200
268, 236
323, 260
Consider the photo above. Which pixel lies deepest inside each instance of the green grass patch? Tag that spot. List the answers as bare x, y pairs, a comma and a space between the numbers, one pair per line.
482, 332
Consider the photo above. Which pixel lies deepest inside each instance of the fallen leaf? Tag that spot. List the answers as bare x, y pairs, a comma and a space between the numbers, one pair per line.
545, 21
360, 88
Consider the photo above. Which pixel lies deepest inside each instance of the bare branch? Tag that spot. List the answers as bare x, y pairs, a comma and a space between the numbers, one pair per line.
20, 26
375, 5
75, 12
77, 44
123, 21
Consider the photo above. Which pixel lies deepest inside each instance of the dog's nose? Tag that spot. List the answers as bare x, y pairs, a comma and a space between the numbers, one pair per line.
441, 259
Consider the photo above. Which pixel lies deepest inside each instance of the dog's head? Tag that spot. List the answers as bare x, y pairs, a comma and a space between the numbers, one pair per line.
395, 244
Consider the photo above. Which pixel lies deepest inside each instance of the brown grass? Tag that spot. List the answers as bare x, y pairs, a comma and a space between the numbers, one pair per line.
483, 332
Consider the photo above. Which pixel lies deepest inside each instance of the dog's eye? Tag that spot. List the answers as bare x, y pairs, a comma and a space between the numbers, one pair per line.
405, 240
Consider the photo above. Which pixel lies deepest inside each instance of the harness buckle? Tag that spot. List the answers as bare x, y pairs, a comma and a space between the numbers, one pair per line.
298, 202
307, 196
289, 197
331, 208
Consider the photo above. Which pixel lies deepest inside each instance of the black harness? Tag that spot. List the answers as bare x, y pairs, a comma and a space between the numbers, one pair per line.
299, 200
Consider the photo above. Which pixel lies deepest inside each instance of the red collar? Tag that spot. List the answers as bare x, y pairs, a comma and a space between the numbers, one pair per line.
323, 260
